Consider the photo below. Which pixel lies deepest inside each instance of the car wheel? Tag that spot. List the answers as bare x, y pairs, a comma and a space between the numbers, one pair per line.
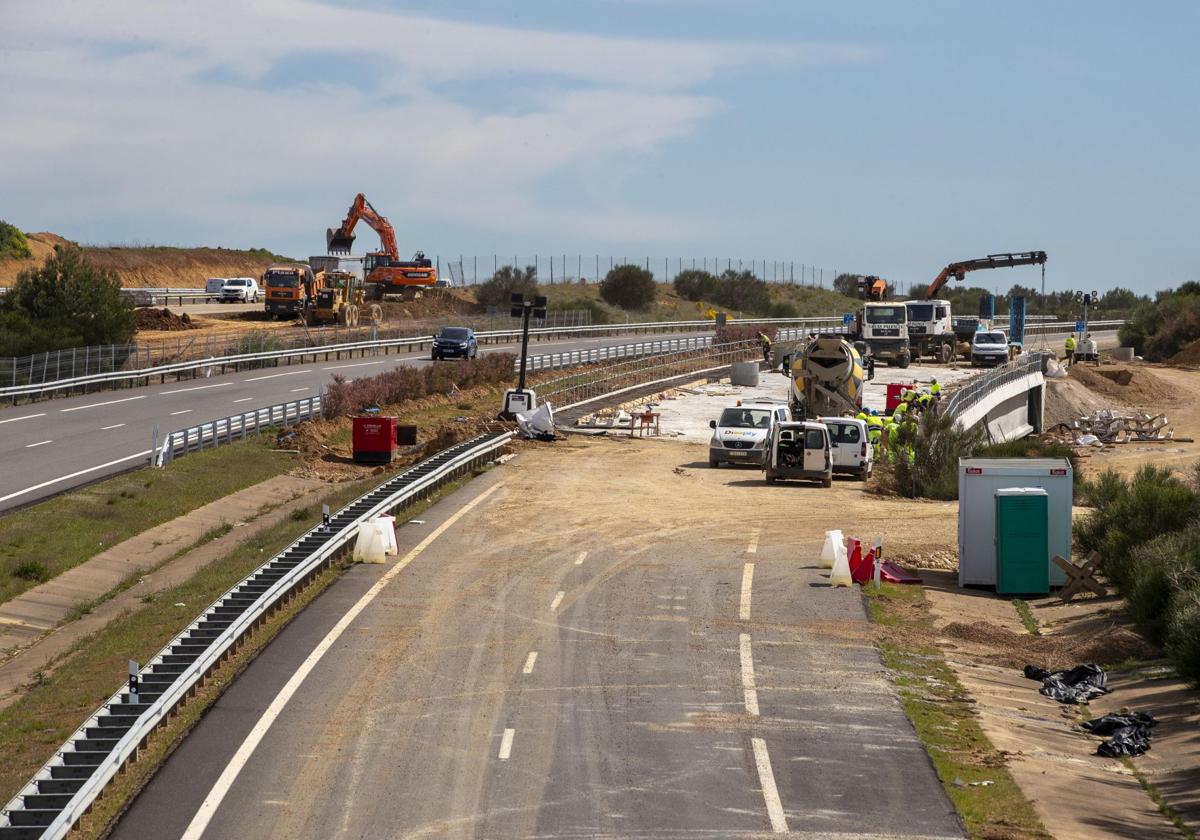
713, 464
827, 481
770, 479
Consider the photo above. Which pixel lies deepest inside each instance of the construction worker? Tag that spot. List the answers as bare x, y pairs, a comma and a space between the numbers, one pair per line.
935, 387
766, 347
862, 415
1069, 345
891, 439
924, 401
900, 409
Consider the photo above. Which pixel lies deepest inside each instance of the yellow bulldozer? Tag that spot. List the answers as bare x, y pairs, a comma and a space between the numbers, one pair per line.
341, 300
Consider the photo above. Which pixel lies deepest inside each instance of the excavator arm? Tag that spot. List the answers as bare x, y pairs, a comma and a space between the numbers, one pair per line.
958, 270
339, 241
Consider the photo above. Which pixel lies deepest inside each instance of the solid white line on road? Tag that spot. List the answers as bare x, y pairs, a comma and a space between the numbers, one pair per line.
529, 660
185, 411
244, 399
39, 443
557, 600
766, 780
579, 560
26, 417
113, 426
195, 388
97, 405
297, 390
69, 476
356, 364
213, 801
506, 744
753, 547
748, 689
277, 375
747, 586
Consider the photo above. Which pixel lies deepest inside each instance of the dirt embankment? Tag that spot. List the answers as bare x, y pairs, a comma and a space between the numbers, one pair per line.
150, 267
1087, 389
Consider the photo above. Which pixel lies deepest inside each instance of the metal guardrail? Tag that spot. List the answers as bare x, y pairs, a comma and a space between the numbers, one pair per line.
971, 393
62, 791
234, 427
194, 367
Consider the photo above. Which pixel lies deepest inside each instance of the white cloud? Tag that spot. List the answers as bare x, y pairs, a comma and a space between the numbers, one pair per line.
121, 118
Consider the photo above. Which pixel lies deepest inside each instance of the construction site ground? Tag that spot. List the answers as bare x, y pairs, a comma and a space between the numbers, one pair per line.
982, 635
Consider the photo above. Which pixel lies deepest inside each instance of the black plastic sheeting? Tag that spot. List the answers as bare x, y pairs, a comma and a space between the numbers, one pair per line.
1129, 733
1078, 685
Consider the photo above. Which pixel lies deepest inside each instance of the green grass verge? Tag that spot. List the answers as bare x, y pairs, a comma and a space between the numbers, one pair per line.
37, 724
970, 768
1026, 616
40, 542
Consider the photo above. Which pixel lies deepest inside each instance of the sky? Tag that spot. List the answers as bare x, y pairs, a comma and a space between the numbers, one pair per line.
875, 137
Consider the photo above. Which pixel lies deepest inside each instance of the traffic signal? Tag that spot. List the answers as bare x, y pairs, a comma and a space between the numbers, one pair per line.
518, 305
539, 307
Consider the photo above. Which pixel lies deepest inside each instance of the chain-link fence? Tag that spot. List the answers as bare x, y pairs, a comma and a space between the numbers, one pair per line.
187, 346
463, 270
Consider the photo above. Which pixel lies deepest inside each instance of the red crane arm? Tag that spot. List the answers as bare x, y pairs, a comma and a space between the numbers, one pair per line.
340, 240
958, 270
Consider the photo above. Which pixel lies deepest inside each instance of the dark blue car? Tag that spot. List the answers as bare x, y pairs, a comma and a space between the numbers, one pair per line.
455, 342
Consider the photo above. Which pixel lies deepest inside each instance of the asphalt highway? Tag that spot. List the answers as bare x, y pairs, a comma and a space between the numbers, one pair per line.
53, 445
547, 680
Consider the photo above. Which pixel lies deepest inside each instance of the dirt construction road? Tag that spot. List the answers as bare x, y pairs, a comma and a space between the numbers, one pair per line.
614, 640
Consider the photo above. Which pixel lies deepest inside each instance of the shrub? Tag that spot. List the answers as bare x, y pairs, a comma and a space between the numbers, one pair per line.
31, 570
695, 284
599, 312
1161, 567
743, 292
13, 243
409, 383
629, 287
1183, 633
783, 309
936, 446
499, 288
1161, 329
744, 332
847, 284
1129, 513
66, 302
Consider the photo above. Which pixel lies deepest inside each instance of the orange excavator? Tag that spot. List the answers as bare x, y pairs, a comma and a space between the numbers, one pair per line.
383, 270
872, 288
958, 270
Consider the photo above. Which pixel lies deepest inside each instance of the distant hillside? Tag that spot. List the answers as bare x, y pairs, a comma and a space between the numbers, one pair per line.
152, 266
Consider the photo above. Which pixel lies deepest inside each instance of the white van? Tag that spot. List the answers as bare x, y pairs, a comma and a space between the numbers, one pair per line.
239, 289
799, 450
989, 347
740, 435
852, 453
214, 285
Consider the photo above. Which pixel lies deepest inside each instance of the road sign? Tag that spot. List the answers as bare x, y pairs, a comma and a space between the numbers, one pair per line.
1079, 326
847, 319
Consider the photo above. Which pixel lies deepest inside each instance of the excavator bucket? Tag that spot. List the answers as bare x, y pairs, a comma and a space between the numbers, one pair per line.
338, 242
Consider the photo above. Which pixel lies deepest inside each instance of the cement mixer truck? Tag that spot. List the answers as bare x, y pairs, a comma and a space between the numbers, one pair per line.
827, 379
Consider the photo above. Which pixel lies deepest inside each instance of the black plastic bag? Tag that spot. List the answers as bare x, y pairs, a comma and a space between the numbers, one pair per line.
1078, 685
1130, 733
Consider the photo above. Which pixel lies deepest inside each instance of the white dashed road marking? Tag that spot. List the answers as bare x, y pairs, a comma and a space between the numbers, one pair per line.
747, 586
506, 744
748, 688
529, 660
557, 600
766, 780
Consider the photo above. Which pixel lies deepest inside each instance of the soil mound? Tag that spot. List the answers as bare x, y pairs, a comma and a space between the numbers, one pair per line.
1189, 355
162, 319
1069, 399
1123, 385
431, 304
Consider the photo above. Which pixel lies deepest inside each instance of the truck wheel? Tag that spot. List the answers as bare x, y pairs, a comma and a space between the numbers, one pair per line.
352, 316
827, 481
905, 360
770, 479
946, 356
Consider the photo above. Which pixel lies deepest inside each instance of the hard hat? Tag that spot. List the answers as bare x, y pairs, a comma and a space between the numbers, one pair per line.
933, 381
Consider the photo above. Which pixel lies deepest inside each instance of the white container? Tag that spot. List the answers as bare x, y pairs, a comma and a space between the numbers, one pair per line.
978, 481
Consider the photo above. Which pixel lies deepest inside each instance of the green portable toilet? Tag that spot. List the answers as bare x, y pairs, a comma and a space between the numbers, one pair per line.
1022, 541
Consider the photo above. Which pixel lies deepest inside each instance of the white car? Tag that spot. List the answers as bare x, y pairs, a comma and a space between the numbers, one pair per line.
214, 285
740, 436
243, 289
989, 347
852, 453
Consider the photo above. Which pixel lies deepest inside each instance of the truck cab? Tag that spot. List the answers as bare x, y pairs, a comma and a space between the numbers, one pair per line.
288, 289
930, 329
884, 329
